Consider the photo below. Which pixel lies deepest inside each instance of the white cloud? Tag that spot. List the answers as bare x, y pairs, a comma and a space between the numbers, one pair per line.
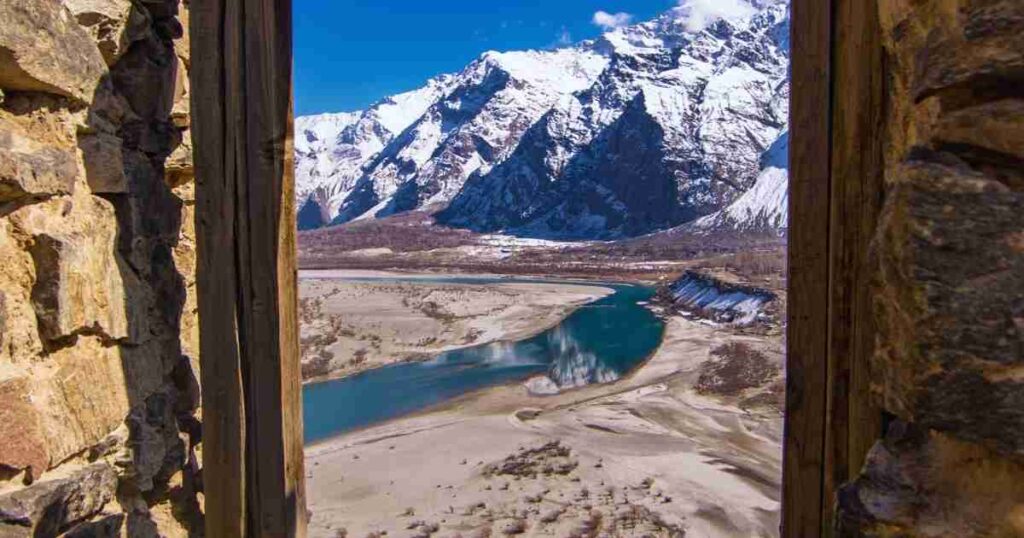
699, 14
564, 39
611, 21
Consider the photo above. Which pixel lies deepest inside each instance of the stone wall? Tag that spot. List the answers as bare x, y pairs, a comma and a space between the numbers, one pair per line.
98, 340
949, 365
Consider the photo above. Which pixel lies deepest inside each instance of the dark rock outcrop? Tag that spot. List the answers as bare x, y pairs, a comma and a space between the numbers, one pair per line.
50, 507
714, 299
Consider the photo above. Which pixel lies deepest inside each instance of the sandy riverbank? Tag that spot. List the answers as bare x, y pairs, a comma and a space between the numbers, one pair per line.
348, 326
655, 454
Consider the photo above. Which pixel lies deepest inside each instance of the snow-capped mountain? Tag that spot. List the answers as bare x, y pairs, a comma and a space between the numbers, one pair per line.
647, 127
331, 149
764, 206
476, 125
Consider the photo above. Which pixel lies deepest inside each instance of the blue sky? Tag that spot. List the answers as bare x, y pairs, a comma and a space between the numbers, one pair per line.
350, 53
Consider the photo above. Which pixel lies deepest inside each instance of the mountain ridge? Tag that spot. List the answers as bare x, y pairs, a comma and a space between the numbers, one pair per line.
647, 127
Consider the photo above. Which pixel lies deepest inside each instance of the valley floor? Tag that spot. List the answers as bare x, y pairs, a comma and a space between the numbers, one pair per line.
665, 451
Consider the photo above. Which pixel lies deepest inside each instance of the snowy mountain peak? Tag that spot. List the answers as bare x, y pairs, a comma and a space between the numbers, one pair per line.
647, 127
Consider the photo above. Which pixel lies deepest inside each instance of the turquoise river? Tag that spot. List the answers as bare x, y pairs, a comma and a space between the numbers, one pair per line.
598, 342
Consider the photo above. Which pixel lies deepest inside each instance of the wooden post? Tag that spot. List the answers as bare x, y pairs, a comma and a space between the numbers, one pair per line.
246, 275
835, 196
853, 422
807, 308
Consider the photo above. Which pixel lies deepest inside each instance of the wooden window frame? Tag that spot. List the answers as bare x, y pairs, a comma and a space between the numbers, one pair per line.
241, 81
835, 194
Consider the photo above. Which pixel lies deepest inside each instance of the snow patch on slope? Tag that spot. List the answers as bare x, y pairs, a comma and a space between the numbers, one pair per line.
765, 206
398, 112
718, 301
697, 15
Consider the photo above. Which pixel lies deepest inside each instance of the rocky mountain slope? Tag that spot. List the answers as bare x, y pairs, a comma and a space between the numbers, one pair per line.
763, 207
645, 128
330, 149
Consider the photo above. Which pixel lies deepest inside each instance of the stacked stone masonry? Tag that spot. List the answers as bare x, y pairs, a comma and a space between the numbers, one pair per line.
949, 363
98, 336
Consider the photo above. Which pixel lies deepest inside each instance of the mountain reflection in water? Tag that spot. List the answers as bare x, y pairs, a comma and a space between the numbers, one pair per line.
598, 343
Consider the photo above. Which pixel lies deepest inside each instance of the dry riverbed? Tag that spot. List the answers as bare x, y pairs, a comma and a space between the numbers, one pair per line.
689, 443
348, 326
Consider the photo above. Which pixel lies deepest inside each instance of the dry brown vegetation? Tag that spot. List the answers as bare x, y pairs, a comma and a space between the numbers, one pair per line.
734, 368
407, 232
551, 458
412, 242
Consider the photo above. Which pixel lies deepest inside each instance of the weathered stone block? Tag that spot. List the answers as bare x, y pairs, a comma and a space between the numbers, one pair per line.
24, 446
990, 135
78, 286
87, 396
28, 168
919, 483
949, 303
42, 48
50, 507
108, 22
104, 163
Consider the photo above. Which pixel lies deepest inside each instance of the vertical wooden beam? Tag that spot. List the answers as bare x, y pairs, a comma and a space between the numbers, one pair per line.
835, 194
857, 187
807, 344
242, 116
269, 327
220, 362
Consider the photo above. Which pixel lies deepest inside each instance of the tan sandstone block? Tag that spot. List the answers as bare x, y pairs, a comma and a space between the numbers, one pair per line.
107, 21
24, 446
78, 287
47, 51
84, 397
31, 168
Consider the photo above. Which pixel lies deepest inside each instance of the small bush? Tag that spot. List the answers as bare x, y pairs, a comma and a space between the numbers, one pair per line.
735, 367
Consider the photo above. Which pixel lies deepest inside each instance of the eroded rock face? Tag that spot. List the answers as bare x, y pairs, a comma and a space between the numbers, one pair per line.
51, 506
42, 48
28, 168
950, 277
98, 351
79, 289
924, 483
112, 23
